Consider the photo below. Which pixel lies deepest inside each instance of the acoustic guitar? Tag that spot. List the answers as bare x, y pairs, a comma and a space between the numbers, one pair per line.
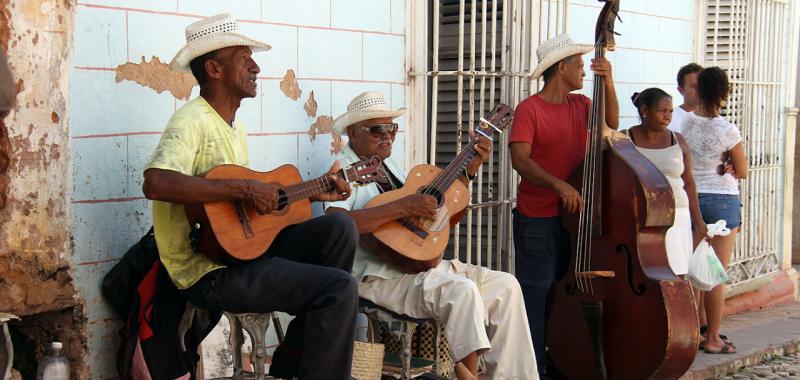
230, 230
415, 244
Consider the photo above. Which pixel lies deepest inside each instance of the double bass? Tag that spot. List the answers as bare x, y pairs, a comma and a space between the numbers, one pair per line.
619, 312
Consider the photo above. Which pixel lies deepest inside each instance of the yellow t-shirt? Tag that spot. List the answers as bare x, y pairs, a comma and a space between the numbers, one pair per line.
195, 140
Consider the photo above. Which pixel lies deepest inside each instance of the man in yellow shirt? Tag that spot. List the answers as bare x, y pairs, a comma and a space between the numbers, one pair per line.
306, 271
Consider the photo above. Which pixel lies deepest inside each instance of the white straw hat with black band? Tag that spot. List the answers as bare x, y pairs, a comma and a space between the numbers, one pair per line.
365, 106
209, 34
555, 49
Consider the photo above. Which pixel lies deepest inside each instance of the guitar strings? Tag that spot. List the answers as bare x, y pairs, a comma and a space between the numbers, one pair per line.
451, 173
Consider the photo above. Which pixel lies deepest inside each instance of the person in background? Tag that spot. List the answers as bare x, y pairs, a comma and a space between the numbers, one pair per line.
713, 141
687, 87
8, 89
668, 151
8, 96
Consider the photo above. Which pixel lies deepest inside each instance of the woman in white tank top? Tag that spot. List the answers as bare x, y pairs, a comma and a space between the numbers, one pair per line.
669, 153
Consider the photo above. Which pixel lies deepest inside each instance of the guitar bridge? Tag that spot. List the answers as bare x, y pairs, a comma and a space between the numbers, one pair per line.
413, 227
244, 220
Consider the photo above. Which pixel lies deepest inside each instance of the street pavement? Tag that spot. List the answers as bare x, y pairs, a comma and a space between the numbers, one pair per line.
767, 343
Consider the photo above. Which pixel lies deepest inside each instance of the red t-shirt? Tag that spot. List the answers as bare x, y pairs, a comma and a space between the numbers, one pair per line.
557, 134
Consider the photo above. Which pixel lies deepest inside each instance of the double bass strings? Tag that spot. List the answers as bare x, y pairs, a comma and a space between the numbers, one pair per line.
589, 186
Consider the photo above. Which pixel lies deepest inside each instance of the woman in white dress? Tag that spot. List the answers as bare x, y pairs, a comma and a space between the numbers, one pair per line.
668, 151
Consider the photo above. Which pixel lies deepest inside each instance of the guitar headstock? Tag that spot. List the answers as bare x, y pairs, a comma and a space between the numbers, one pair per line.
365, 172
497, 120
604, 30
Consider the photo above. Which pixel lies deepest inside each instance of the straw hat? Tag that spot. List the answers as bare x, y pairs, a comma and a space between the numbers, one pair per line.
556, 49
365, 106
215, 32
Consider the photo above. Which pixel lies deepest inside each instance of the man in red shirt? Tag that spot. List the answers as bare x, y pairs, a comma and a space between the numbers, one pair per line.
548, 142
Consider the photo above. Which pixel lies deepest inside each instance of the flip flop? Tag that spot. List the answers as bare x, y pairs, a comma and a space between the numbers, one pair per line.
723, 338
725, 349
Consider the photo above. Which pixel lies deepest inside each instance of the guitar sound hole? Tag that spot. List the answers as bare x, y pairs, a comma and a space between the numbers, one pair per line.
283, 200
434, 192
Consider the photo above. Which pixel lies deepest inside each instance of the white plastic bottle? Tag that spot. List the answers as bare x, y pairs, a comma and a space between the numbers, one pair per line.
53, 366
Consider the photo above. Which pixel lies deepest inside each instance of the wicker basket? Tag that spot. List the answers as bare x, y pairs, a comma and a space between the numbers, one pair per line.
367, 358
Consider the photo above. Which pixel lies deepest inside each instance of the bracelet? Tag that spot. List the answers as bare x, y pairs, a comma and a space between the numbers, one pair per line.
250, 196
469, 177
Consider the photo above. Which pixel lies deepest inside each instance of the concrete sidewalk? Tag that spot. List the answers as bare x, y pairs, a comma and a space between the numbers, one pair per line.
758, 335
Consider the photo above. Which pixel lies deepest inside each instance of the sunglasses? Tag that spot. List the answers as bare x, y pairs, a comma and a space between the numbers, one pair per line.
377, 130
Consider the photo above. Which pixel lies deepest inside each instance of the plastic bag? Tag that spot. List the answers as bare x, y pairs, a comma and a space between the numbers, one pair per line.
705, 269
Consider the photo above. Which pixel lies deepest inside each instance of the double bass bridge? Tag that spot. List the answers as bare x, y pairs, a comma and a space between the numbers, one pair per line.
592, 274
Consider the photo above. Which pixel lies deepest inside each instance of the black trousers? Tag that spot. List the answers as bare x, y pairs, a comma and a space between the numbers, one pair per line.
306, 273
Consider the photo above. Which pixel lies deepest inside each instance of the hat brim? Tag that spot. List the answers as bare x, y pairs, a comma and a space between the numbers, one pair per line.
559, 55
349, 118
202, 46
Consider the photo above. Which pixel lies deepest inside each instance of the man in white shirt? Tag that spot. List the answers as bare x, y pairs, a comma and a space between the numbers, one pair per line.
482, 310
687, 87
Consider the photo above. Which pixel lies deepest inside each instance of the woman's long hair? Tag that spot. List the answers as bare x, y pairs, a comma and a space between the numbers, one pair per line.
713, 88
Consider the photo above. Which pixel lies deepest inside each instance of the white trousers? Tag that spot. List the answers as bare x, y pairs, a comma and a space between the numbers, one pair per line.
480, 308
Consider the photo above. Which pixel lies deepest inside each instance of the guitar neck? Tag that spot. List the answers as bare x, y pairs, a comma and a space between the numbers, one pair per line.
457, 167
307, 189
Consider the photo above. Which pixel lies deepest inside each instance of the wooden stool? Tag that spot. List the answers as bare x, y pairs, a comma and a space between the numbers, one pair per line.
256, 325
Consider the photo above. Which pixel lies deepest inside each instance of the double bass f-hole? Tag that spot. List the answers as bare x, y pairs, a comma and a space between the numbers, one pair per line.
638, 289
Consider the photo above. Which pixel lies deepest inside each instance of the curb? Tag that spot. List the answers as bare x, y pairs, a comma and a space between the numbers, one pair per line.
742, 360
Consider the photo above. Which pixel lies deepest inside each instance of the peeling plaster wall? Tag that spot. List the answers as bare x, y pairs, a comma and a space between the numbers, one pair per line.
324, 52
35, 270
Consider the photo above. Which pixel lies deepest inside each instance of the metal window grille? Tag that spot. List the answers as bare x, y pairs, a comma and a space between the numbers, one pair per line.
482, 52
750, 40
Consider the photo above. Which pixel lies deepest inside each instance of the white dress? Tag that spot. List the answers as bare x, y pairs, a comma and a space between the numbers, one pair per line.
679, 237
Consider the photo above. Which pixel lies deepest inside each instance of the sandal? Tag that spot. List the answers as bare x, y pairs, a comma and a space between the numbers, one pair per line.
724, 338
725, 349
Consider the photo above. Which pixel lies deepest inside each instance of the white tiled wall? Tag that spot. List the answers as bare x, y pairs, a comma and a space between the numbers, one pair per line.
655, 41
336, 48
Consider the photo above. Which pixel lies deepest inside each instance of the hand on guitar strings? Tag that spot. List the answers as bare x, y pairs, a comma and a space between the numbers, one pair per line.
419, 205
570, 198
342, 190
261, 196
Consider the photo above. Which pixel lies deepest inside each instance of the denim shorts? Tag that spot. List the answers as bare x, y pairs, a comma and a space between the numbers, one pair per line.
714, 207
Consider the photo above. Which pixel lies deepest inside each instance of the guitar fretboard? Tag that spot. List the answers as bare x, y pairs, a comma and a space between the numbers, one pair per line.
307, 189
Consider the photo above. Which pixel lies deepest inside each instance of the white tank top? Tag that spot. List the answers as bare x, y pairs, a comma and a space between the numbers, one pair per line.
669, 161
